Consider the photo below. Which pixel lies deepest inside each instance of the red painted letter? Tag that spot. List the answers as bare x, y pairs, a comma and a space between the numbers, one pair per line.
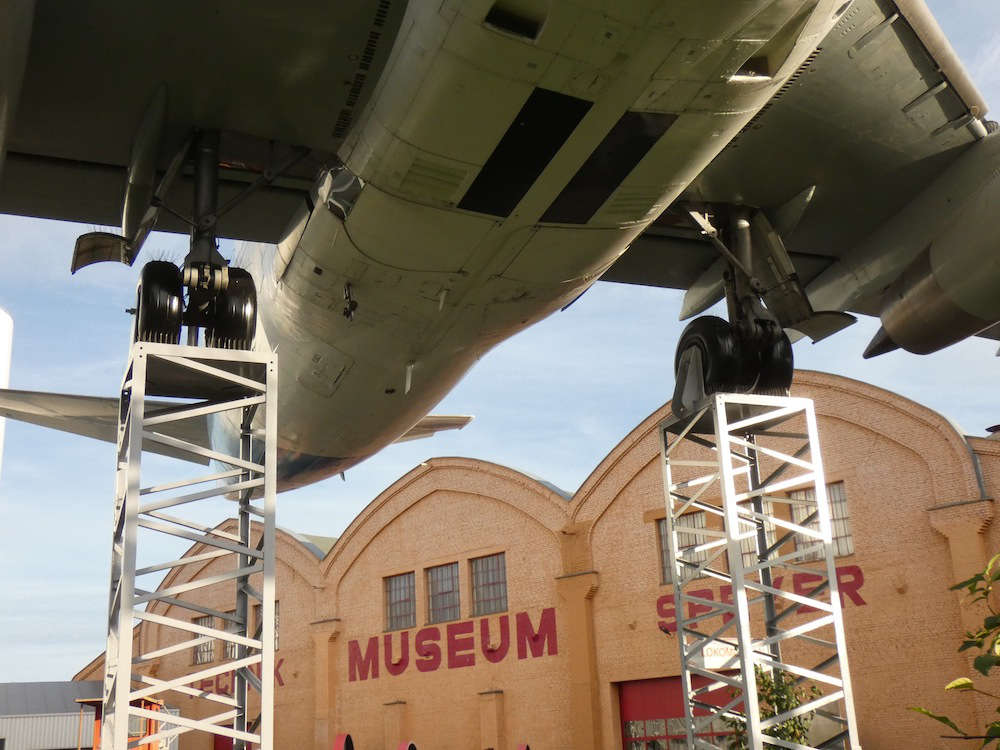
361, 668
802, 584
850, 579
425, 644
694, 608
398, 667
497, 653
665, 609
277, 672
726, 597
461, 646
536, 640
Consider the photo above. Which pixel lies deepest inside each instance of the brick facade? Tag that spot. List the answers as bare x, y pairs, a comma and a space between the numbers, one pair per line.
585, 598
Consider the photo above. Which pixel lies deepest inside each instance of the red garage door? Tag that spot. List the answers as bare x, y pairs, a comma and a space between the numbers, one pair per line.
653, 713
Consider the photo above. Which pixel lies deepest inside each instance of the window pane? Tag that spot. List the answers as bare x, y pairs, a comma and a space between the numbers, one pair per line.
843, 541
656, 728
204, 652
634, 728
749, 545
686, 540
231, 648
400, 602
442, 593
258, 618
136, 726
489, 584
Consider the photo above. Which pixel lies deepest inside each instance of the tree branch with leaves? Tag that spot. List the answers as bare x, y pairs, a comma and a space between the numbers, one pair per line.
777, 692
987, 640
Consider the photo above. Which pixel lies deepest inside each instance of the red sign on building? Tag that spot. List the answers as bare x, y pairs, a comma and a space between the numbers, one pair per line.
454, 645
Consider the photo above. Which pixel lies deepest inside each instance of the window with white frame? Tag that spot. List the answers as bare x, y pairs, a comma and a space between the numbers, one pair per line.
400, 602
137, 726
843, 540
232, 649
258, 618
749, 545
489, 584
685, 541
204, 653
442, 593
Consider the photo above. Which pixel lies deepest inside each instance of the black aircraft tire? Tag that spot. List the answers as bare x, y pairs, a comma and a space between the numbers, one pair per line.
159, 303
777, 366
721, 356
235, 321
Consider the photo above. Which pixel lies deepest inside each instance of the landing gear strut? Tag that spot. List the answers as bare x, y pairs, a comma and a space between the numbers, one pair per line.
751, 354
220, 299
205, 292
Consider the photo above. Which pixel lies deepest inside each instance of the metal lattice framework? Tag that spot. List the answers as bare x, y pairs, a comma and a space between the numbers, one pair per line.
214, 384
713, 463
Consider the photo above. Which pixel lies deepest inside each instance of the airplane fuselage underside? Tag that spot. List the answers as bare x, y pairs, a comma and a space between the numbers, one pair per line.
491, 180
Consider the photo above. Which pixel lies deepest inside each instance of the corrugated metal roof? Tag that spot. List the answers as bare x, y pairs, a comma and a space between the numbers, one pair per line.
558, 490
318, 545
323, 543
48, 731
27, 698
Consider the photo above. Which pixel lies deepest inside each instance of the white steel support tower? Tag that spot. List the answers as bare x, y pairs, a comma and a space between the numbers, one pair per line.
211, 385
751, 466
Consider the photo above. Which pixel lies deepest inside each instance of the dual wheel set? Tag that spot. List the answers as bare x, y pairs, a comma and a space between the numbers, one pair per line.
752, 357
229, 315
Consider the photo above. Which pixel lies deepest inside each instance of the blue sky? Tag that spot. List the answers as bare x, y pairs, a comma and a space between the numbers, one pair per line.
552, 402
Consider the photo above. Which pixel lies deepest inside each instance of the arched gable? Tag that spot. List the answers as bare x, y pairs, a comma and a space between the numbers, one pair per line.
536, 502
898, 420
291, 556
892, 417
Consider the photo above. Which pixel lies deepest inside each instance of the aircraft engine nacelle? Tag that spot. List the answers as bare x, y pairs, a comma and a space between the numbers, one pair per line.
952, 289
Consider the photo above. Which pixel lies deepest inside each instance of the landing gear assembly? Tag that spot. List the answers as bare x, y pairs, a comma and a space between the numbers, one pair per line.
750, 353
714, 356
222, 300
205, 292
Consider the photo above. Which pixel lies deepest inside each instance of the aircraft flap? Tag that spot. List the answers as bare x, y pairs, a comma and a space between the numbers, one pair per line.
432, 424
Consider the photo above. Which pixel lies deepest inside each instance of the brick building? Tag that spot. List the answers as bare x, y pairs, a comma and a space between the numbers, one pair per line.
471, 606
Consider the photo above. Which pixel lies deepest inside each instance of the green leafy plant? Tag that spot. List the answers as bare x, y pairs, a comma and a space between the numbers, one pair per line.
987, 640
777, 692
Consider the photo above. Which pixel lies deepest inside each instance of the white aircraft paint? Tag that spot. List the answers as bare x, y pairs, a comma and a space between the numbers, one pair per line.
439, 284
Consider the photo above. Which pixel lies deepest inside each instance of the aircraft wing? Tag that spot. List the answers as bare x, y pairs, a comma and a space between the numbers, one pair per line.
282, 81
96, 417
432, 424
878, 111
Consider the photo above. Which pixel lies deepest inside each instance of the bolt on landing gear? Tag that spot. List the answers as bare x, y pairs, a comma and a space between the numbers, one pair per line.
751, 354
